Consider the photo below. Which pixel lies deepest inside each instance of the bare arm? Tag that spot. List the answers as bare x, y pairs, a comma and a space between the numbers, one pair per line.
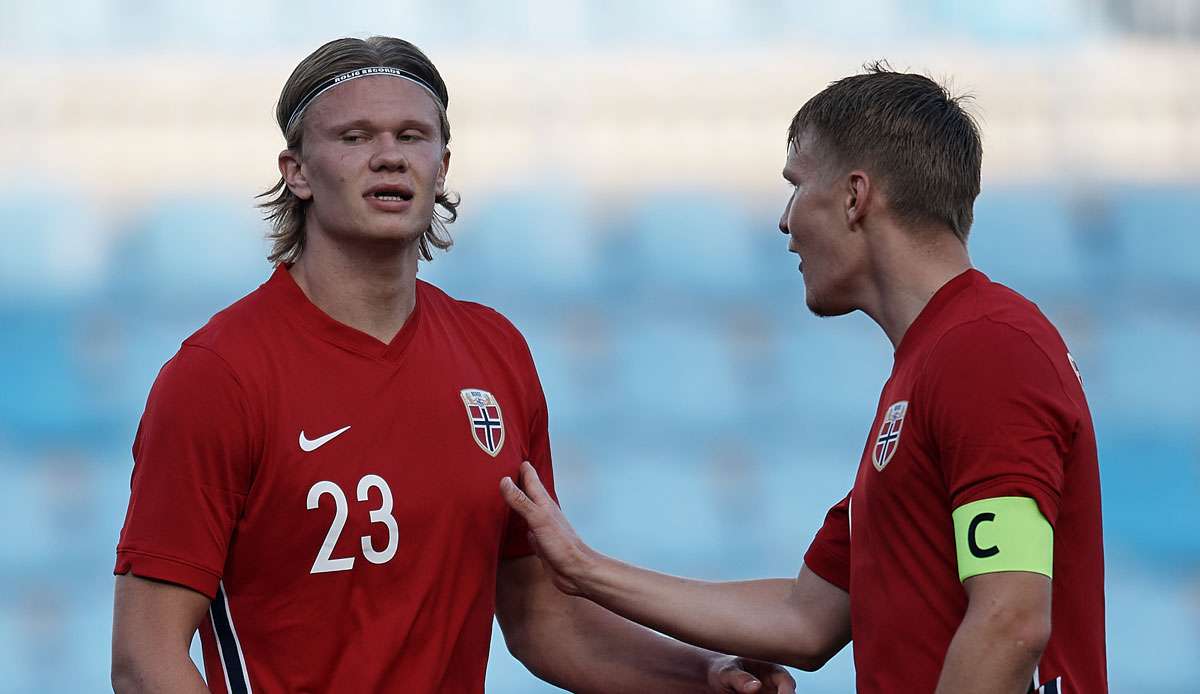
801, 622
581, 647
153, 624
1002, 636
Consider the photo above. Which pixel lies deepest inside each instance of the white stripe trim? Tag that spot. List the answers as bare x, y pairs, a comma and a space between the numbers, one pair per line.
220, 651
236, 640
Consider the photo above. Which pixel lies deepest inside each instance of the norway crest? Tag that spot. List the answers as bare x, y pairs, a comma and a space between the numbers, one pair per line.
888, 439
485, 419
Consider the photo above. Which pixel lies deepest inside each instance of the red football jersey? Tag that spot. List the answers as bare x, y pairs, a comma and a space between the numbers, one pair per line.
983, 401
337, 497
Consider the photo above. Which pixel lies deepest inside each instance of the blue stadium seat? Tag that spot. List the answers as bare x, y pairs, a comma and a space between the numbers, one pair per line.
831, 372
1159, 229
1147, 376
520, 245
54, 375
1025, 239
55, 251
190, 257
694, 244
676, 373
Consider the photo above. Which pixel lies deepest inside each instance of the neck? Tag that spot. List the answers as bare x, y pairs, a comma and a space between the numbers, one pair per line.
907, 270
369, 287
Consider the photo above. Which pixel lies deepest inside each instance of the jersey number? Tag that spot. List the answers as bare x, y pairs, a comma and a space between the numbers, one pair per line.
325, 562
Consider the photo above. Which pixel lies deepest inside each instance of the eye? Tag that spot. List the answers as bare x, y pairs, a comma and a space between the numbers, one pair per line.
410, 136
354, 138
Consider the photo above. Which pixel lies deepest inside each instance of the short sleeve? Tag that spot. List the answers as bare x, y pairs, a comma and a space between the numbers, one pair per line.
191, 473
829, 554
515, 542
998, 415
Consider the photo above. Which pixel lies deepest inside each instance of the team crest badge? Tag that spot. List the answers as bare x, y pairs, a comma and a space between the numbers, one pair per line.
485, 418
889, 435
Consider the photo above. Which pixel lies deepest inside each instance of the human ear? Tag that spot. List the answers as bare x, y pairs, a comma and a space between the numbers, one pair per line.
292, 171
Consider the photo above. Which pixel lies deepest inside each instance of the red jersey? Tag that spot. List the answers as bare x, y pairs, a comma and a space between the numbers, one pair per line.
337, 497
983, 401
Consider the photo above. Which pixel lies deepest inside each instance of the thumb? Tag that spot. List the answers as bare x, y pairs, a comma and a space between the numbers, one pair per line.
743, 681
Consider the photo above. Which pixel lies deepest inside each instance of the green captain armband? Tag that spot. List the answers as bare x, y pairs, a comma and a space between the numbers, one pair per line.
1007, 533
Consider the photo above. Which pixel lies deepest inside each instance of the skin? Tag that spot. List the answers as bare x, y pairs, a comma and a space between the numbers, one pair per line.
855, 255
359, 266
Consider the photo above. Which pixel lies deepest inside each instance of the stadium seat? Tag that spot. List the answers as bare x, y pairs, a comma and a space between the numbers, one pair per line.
519, 245
55, 252
189, 257
685, 243
1024, 238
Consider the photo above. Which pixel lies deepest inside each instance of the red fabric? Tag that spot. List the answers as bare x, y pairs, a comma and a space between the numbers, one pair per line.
221, 489
829, 557
995, 408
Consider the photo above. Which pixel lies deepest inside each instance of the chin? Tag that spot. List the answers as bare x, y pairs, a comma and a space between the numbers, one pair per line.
824, 308
396, 234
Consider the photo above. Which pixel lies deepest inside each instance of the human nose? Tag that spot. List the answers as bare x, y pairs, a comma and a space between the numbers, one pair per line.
389, 156
787, 209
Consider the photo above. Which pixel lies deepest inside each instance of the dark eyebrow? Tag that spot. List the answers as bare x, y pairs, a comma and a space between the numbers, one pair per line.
368, 124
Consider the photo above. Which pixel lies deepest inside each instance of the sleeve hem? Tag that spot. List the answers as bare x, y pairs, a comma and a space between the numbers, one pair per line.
1012, 485
160, 568
829, 567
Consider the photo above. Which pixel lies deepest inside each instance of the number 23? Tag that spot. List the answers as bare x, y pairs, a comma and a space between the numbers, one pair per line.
324, 562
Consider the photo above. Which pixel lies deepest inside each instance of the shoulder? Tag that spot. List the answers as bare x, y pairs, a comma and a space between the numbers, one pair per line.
243, 327
479, 321
1003, 346
998, 322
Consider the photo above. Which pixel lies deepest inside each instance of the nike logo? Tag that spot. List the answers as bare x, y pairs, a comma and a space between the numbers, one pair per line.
309, 445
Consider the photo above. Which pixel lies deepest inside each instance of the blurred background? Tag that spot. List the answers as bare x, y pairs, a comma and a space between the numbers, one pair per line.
619, 167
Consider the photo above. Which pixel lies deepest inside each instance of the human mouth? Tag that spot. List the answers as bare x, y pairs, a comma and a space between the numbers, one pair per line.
391, 198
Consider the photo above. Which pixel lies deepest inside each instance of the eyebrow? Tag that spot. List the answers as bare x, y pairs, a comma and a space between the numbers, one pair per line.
368, 124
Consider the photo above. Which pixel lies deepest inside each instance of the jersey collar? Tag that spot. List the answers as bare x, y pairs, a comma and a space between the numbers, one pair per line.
298, 307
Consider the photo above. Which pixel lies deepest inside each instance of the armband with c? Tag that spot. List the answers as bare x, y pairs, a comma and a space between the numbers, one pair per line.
1006, 533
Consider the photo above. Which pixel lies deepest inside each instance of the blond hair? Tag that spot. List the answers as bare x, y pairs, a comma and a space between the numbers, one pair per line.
285, 211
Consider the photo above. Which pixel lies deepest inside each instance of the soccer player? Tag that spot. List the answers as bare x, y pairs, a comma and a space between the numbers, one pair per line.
977, 494
315, 471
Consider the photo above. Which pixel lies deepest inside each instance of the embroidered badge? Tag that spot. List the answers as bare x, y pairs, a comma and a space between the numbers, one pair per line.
889, 435
485, 418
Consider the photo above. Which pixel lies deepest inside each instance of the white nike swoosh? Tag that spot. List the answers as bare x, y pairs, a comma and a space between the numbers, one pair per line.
309, 446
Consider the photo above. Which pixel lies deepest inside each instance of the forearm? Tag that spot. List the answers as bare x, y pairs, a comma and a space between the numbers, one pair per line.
583, 648
754, 619
172, 673
987, 660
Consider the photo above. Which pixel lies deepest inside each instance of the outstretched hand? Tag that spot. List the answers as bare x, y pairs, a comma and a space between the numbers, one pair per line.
569, 563
563, 554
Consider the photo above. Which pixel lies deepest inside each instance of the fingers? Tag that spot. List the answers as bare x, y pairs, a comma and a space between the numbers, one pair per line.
783, 682
533, 484
516, 499
740, 681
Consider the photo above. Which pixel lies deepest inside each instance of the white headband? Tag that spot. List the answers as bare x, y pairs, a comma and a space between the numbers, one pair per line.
353, 75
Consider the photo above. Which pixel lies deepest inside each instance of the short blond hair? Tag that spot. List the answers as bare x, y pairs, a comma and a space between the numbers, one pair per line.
286, 211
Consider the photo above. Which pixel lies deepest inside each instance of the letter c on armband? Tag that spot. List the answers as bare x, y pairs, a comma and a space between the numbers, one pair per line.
973, 544
1015, 523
